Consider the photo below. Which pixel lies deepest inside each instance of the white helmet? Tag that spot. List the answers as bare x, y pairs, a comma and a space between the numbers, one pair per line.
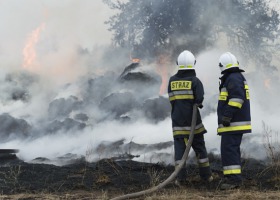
186, 60
227, 60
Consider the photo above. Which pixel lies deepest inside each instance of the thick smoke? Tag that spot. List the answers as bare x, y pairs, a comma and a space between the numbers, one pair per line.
82, 97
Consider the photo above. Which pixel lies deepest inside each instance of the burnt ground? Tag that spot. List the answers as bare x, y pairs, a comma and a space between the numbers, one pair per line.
118, 177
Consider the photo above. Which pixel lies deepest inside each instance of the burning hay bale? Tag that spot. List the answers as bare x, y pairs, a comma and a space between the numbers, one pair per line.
63, 107
81, 117
65, 125
117, 104
157, 109
11, 127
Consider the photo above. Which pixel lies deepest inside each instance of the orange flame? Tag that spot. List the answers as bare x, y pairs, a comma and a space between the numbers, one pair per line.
135, 60
29, 51
267, 83
163, 71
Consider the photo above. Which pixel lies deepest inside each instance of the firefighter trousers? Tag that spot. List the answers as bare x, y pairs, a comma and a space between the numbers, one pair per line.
199, 148
231, 157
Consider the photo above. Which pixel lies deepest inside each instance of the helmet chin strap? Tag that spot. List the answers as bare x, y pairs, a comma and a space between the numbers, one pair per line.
221, 67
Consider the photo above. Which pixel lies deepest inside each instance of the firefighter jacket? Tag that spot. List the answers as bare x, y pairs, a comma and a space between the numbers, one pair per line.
234, 103
184, 90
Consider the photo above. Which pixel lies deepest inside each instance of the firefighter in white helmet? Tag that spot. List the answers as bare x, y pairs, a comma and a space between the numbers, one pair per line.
234, 118
184, 90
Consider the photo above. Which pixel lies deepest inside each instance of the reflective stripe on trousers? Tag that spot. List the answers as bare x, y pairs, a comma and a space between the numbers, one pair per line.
187, 130
232, 169
204, 162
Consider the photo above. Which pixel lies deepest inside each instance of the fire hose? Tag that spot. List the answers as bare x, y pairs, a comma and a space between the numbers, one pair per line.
177, 167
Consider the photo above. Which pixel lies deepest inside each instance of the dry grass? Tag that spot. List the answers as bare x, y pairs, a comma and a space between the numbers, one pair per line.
272, 147
170, 194
225, 195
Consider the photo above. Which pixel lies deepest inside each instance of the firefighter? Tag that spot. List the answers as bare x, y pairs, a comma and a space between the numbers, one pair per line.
234, 118
185, 90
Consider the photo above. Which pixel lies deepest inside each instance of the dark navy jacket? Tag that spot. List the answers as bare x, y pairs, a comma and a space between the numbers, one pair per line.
234, 103
185, 89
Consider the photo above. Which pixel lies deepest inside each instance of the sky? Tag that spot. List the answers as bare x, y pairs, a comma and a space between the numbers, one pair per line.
53, 30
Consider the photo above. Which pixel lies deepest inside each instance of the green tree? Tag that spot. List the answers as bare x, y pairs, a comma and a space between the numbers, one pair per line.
152, 27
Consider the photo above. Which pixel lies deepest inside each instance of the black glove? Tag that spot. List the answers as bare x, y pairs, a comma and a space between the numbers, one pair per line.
226, 121
199, 105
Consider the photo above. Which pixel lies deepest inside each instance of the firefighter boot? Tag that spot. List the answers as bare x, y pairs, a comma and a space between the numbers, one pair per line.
209, 179
230, 185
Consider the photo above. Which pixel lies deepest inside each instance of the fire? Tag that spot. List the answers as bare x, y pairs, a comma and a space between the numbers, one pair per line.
267, 83
135, 60
29, 51
163, 71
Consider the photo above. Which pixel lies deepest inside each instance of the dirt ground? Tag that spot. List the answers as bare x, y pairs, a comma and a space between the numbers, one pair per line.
109, 178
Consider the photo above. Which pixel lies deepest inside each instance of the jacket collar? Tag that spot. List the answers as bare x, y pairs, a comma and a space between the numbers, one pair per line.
227, 72
232, 70
185, 73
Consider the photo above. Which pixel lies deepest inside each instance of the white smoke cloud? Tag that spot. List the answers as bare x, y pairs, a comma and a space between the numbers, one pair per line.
70, 48
67, 26
53, 146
